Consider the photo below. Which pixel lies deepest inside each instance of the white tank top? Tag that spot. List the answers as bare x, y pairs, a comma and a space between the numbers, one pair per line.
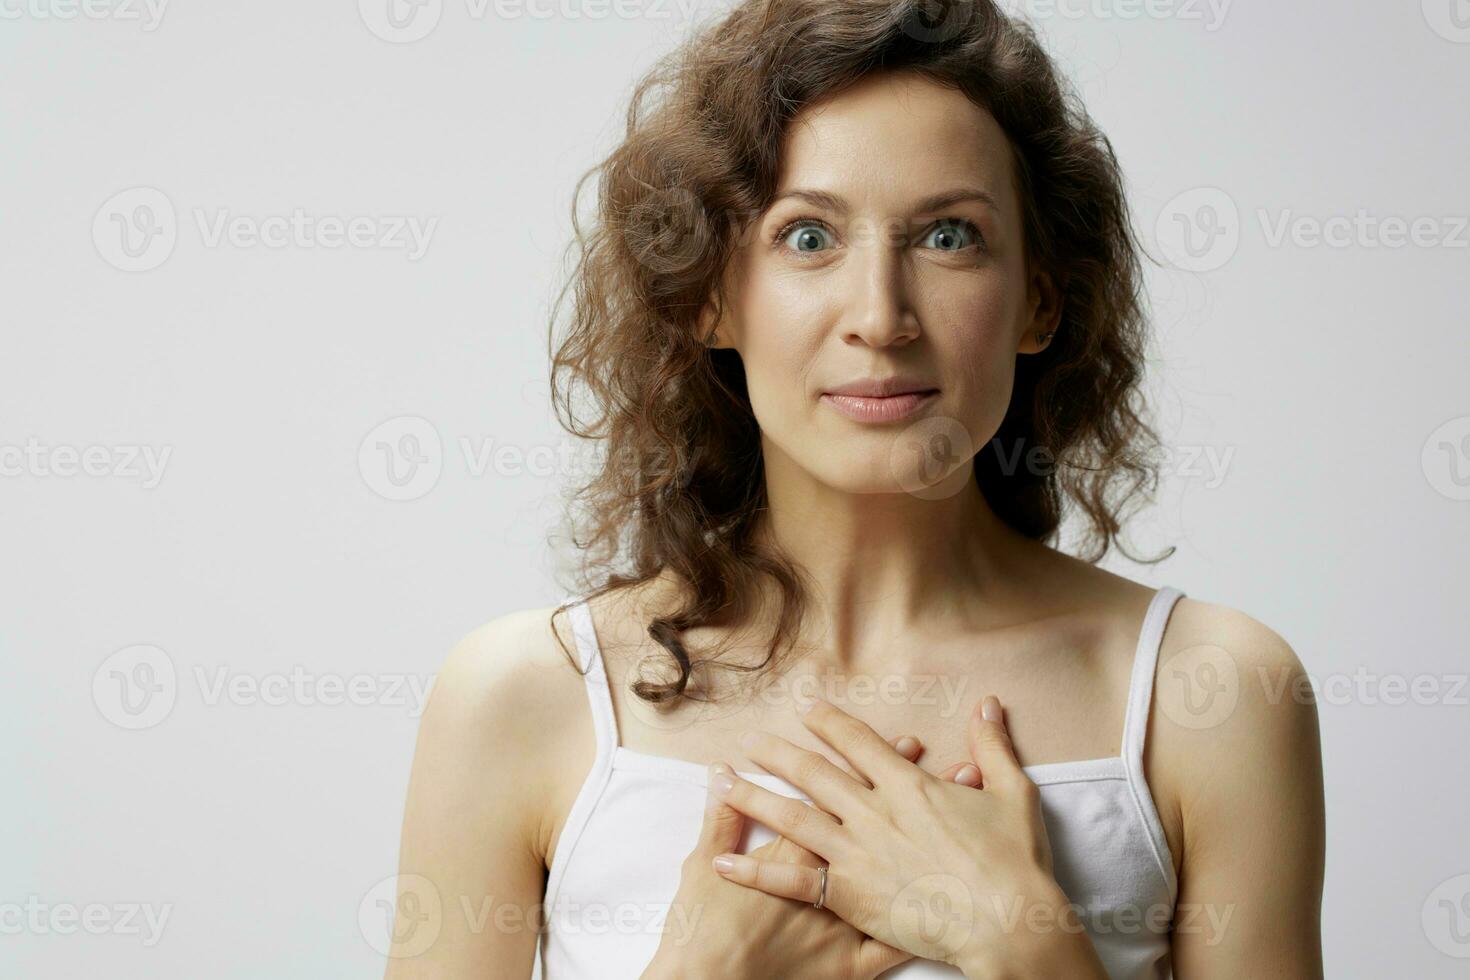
636, 817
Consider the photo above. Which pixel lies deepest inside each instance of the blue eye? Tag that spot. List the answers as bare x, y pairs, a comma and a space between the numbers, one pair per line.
808, 237
952, 236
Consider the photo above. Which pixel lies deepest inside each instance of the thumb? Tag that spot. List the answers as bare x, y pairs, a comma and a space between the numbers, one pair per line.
964, 773
720, 833
875, 957
990, 743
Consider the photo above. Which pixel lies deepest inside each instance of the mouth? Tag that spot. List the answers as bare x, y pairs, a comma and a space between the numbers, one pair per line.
881, 408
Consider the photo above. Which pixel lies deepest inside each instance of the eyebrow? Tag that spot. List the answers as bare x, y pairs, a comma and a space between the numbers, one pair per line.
934, 202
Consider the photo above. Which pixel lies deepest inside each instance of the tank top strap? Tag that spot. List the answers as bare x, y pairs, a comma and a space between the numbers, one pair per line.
1145, 664
604, 721
1135, 726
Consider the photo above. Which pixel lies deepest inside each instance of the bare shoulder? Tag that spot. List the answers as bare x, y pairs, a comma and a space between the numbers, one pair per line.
1223, 675
502, 677
488, 710
480, 797
1234, 723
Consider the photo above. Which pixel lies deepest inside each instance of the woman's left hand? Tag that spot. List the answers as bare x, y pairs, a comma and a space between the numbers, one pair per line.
927, 864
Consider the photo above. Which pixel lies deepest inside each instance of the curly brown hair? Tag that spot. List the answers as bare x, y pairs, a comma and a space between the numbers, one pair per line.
681, 485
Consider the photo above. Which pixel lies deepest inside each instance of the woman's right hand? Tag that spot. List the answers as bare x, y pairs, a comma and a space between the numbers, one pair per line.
737, 932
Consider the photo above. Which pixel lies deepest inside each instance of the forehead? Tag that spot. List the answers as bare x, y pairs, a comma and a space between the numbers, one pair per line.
894, 137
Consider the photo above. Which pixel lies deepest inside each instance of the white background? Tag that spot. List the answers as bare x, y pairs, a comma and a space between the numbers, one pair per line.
1319, 376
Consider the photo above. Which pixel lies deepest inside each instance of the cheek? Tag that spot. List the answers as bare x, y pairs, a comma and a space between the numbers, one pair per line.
974, 331
780, 336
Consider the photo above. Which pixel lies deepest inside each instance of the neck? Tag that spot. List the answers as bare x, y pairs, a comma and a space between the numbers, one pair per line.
881, 568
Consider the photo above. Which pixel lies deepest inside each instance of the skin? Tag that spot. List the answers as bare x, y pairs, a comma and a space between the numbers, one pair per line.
927, 587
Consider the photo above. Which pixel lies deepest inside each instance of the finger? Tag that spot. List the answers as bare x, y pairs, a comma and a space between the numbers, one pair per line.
811, 772
791, 818
722, 823
990, 744
781, 849
964, 773
864, 749
875, 956
795, 881
907, 746
789, 851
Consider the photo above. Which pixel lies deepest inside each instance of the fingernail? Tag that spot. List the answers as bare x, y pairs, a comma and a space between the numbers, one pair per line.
969, 775
721, 783
712, 800
802, 707
990, 708
906, 745
724, 864
747, 741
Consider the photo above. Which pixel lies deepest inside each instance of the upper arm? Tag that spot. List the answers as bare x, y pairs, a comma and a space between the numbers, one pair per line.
471, 872
1251, 803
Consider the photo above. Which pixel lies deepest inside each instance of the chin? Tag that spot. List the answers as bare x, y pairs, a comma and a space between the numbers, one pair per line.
873, 463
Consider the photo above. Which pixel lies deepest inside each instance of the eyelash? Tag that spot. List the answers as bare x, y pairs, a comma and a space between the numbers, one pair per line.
780, 236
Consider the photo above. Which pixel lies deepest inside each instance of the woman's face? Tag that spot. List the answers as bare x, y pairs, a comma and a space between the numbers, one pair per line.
893, 248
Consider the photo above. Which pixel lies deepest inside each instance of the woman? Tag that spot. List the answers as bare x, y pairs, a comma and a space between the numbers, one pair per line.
859, 317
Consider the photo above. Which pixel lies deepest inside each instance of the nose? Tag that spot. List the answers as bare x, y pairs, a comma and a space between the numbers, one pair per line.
880, 311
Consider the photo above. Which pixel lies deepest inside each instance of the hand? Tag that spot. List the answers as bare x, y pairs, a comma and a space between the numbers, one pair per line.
739, 932
922, 862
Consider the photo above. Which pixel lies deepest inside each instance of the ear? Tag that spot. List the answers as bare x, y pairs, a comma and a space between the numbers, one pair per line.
1044, 313
713, 324
708, 326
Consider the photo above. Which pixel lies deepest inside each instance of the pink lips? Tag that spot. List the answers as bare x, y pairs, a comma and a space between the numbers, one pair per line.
889, 408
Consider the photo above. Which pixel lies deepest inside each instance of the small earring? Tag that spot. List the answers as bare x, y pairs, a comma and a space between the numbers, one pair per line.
713, 337
1042, 338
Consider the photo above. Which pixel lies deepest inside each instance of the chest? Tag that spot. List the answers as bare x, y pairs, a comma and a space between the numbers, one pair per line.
1061, 705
